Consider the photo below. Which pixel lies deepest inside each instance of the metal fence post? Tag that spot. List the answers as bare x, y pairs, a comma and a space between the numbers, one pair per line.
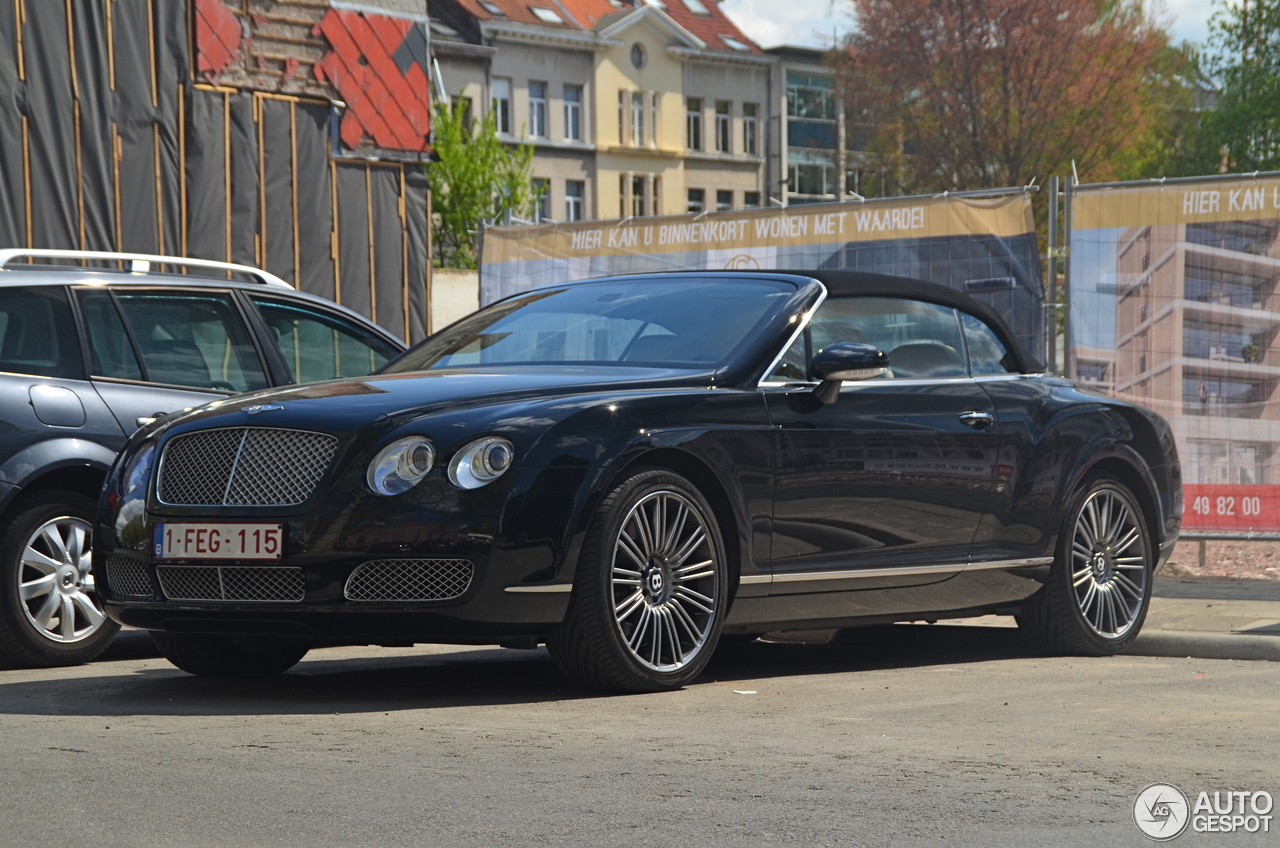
1068, 363
1051, 307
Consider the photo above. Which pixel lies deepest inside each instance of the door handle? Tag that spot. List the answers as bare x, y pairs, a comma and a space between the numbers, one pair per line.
977, 420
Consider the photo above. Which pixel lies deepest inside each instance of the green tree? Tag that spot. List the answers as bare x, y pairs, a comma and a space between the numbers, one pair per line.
1242, 130
968, 94
478, 178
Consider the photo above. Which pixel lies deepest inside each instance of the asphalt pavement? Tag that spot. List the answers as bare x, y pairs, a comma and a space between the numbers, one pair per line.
903, 735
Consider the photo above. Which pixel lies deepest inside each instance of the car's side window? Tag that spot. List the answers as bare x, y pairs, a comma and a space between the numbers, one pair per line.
37, 333
318, 346
110, 353
794, 365
987, 354
194, 339
921, 339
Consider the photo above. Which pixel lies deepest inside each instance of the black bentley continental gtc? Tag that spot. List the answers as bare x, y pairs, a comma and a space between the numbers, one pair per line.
628, 468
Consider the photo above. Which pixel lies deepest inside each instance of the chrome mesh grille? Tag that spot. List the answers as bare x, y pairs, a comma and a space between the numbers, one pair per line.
409, 580
128, 578
231, 583
244, 466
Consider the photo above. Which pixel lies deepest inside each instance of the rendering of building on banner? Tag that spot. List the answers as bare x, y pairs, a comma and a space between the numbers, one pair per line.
1187, 277
286, 134
983, 246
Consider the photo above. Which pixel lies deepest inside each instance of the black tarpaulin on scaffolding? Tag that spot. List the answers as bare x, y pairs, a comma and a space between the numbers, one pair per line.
315, 201
50, 128
93, 81
207, 151
107, 143
13, 227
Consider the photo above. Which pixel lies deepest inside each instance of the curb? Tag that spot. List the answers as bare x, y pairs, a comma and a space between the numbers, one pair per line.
1206, 646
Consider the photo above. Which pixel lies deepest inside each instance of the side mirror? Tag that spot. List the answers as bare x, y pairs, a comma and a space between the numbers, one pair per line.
846, 361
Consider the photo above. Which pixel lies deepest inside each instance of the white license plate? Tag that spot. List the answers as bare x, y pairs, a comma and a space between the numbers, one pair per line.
219, 541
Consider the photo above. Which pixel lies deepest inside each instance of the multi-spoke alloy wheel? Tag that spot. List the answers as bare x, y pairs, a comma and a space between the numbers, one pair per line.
665, 581
1095, 598
649, 595
1109, 564
50, 613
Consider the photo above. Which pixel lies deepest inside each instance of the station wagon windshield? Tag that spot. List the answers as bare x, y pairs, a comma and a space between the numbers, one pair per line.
682, 323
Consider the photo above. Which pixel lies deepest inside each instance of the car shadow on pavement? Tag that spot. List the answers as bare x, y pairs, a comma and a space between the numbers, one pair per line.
329, 683
865, 649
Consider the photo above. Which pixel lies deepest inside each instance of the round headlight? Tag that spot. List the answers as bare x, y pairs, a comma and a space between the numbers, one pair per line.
481, 462
401, 465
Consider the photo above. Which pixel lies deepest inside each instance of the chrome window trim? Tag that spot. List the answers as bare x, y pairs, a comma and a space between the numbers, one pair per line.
804, 322
852, 384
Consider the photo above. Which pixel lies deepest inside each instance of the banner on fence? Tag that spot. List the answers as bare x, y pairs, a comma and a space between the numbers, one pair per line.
986, 247
1174, 305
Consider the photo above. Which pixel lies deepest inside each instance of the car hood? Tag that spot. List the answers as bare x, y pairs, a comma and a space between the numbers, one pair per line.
344, 404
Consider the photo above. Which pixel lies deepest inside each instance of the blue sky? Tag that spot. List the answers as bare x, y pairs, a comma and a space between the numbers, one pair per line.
812, 22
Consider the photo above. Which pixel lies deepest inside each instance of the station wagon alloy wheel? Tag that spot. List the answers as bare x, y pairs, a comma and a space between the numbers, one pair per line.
50, 610
665, 581
54, 583
1109, 564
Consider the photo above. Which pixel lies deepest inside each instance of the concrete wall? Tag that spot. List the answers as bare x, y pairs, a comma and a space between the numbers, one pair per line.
454, 294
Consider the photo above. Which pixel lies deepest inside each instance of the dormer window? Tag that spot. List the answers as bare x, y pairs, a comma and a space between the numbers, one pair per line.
546, 15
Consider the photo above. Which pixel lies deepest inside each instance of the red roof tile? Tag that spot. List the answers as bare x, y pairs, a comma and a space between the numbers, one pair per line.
709, 27
518, 11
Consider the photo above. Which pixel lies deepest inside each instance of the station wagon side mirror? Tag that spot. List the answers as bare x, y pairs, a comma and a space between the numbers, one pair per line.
842, 361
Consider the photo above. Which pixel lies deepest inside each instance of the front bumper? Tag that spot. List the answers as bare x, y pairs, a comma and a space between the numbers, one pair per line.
514, 535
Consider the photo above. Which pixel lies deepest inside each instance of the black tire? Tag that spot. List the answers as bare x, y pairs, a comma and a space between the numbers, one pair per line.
219, 656
1094, 603
33, 635
603, 642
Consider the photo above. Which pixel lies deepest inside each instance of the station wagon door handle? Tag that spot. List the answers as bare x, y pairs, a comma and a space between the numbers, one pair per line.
977, 420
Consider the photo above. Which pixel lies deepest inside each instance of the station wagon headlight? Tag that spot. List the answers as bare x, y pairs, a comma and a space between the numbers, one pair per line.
401, 465
481, 462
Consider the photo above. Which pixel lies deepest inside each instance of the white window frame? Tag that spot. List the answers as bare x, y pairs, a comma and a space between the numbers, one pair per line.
501, 104
538, 110
573, 113
693, 123
751, 129
573, 203
724, 126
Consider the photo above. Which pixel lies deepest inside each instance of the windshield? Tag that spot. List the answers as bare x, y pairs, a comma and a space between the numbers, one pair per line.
678, 323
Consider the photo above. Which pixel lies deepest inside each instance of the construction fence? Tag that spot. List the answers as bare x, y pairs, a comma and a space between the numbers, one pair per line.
108, 142
981, 243
1173, 304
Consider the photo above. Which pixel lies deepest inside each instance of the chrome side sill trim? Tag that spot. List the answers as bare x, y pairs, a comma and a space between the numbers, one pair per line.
752, 579
805, 576
1009, 563
907, 570
544, 589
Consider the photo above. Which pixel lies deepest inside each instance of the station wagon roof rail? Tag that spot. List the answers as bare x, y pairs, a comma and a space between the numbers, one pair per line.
140, 263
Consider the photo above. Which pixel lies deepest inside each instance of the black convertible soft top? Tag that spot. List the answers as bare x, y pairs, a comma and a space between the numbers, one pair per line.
884, 285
